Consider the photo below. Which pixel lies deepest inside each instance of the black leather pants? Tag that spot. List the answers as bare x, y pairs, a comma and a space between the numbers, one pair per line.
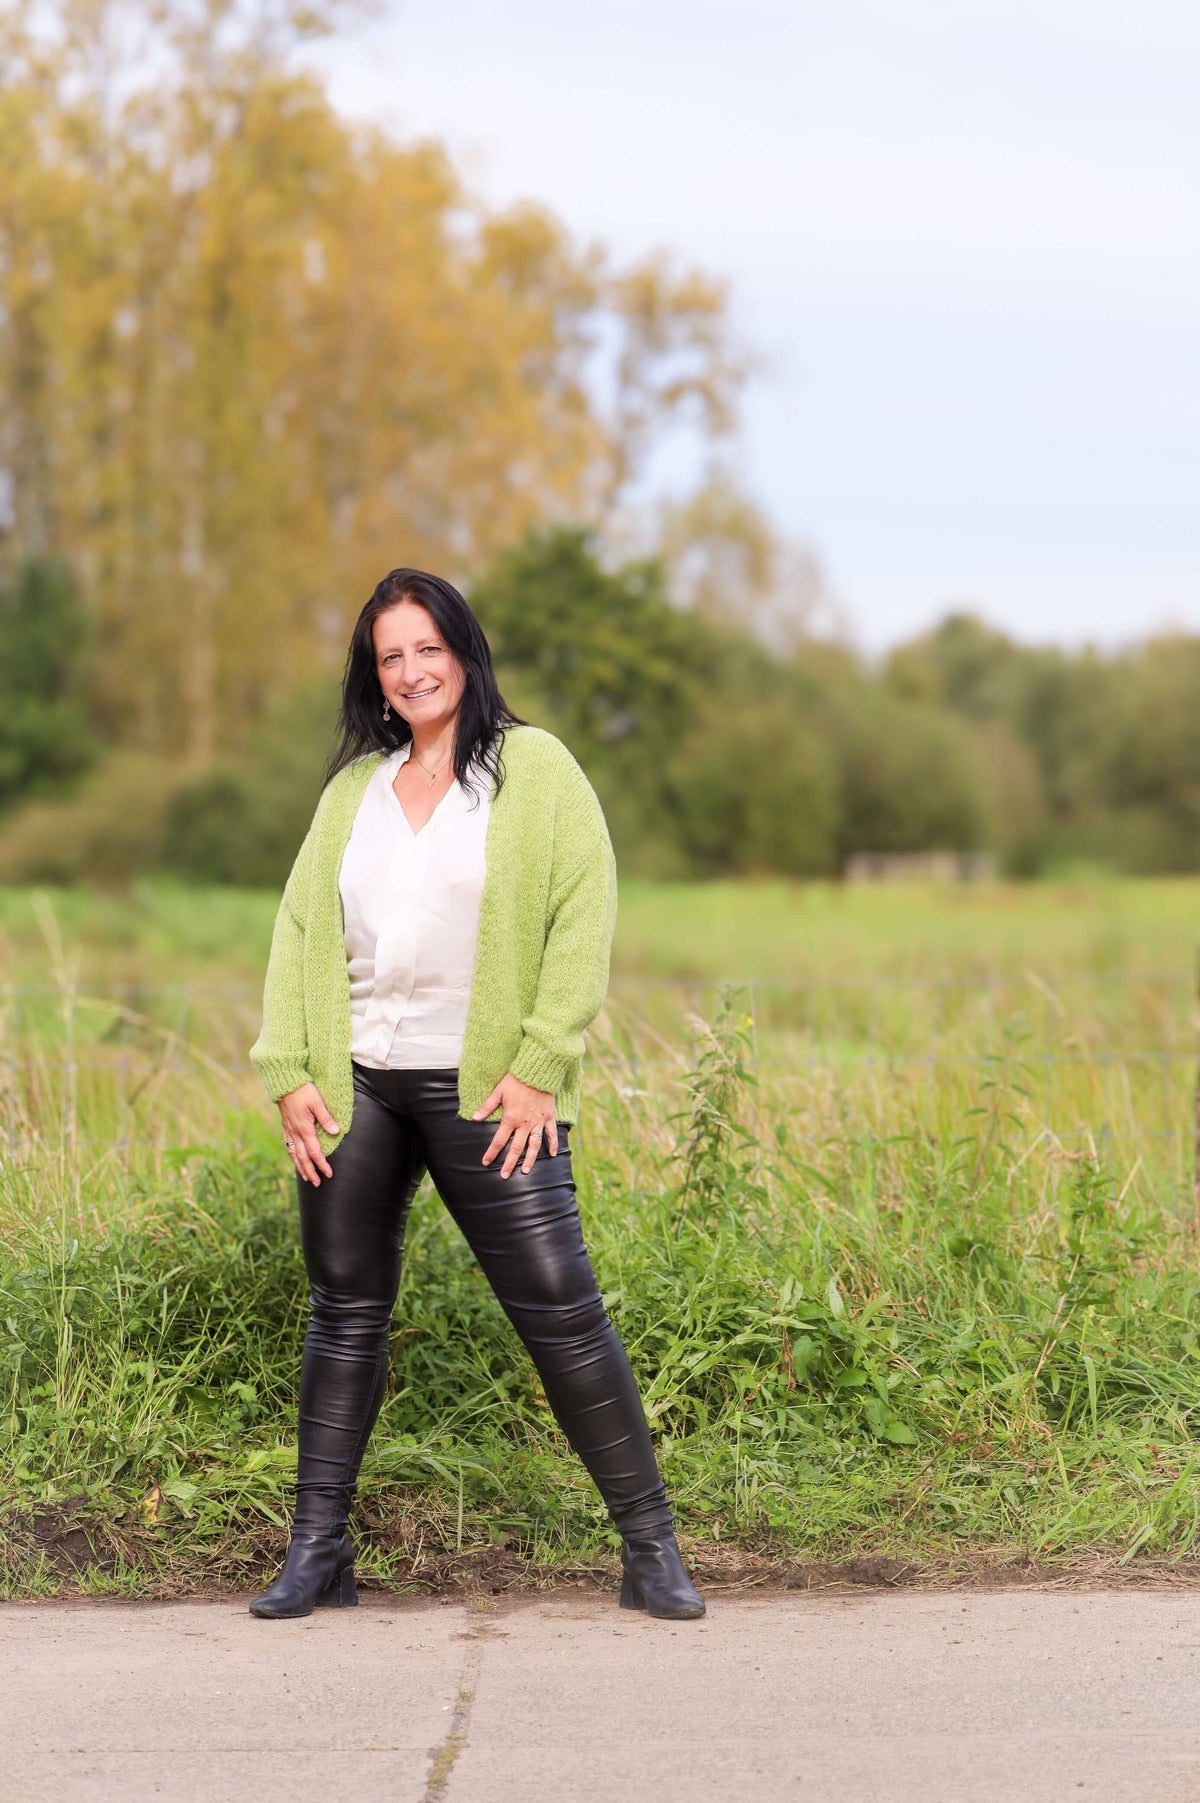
524, 1230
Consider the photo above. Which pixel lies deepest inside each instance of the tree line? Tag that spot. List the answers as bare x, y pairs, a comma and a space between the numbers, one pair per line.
714, 754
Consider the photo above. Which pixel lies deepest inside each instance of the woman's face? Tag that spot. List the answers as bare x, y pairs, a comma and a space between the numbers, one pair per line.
417, 671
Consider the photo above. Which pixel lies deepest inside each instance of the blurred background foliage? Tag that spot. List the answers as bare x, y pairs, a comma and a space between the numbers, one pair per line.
252, 357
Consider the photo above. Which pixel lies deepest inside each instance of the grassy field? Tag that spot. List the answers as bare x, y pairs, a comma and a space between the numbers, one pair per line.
890, 1192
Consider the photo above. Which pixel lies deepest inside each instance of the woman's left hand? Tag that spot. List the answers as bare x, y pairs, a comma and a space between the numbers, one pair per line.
528, 1114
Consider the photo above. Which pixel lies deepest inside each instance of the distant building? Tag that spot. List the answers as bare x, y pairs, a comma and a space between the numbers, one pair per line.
920, 867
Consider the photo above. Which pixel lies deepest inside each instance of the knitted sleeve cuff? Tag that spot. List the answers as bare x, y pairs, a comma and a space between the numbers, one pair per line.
280, 1076
540, 1068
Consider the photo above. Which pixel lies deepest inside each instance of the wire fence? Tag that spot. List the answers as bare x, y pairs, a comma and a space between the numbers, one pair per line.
1105, 1058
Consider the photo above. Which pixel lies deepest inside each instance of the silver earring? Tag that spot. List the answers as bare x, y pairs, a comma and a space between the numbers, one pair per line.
387, 710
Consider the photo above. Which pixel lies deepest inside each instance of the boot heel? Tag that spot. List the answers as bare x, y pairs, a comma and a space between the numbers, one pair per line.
631, 1597
342, 1593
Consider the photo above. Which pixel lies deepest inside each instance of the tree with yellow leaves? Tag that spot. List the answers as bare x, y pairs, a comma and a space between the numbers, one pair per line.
250, 357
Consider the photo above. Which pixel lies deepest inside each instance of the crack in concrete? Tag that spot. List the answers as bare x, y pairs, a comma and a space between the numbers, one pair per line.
443, 1756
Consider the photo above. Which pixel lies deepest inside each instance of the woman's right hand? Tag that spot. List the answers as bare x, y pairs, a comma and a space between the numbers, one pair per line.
301, 1110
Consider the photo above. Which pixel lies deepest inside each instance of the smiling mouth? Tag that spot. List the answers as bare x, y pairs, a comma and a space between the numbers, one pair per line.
421, 694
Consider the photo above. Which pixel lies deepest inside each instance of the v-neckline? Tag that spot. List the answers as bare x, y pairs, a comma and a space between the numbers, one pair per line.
416, 831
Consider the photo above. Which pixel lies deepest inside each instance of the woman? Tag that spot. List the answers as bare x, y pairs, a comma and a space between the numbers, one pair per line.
440, 950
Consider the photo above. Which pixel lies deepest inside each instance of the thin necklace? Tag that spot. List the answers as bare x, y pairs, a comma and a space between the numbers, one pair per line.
425, 767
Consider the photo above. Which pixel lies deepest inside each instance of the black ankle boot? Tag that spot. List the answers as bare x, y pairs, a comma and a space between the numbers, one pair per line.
319, 1570
654, 1577
318, 1573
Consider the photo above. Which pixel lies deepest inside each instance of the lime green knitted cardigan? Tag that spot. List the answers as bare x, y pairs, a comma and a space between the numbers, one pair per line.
546, 922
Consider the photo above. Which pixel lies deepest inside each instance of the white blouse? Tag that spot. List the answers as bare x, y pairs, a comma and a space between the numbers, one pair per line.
410, 902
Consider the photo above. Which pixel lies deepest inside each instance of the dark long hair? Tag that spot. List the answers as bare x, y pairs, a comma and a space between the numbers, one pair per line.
482, 710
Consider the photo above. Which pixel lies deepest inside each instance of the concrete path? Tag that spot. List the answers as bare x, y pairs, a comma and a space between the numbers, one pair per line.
1033, 1696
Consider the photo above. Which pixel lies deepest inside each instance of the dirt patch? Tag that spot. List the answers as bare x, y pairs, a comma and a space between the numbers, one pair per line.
61, 1543
68, 1540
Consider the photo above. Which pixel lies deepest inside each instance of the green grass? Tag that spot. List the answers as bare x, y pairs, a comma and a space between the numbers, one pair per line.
902, 1241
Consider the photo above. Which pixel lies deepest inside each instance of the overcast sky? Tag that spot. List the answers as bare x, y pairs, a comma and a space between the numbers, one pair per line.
965, 235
